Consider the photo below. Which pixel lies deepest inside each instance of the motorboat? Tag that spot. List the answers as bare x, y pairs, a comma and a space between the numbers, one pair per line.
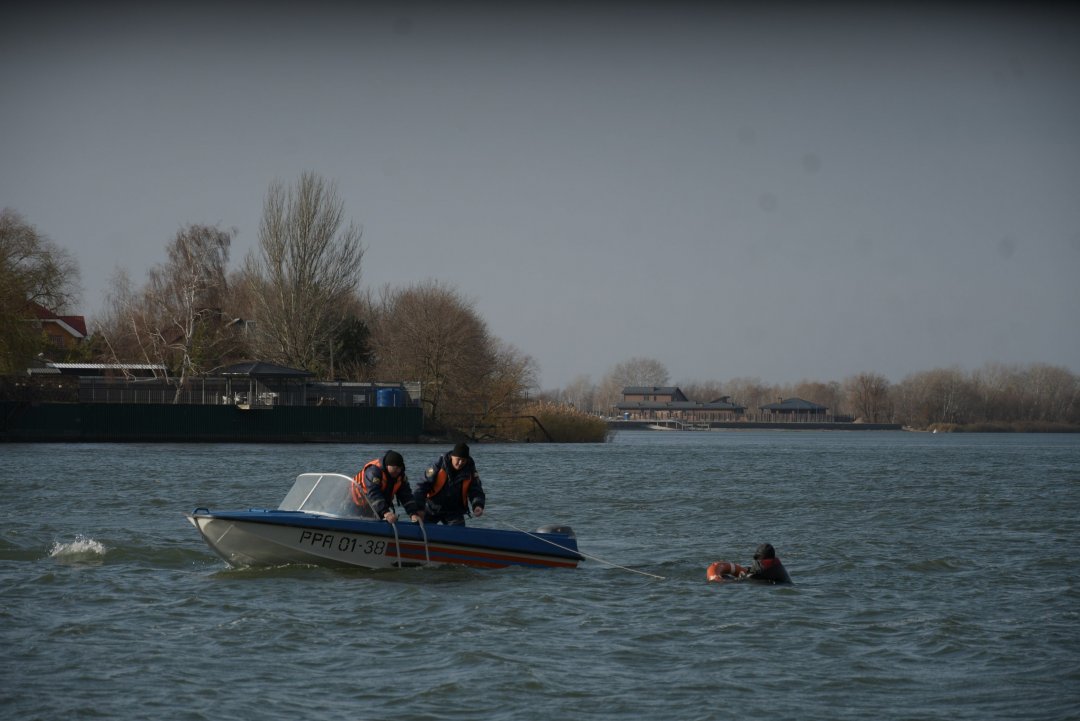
318, 523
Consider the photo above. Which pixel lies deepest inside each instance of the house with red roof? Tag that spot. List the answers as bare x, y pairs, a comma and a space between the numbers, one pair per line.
63, 332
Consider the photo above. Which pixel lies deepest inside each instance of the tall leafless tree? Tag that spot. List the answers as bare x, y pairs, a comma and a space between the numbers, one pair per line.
636, 371
943, 395
185, 295
580, 393
868, 395
176, 319
120, 324
305, 273
429, 332
1038, 392
751, 393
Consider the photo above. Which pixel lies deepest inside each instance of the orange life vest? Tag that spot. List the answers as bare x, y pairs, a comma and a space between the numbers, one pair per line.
440, 481
360, 489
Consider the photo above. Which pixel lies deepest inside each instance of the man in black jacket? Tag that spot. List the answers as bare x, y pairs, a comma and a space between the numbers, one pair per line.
767, 566
450, 487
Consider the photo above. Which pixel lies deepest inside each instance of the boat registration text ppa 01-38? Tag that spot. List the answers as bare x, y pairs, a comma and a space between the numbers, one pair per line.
344, 544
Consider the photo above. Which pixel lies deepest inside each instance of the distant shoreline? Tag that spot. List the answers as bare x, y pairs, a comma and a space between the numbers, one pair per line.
1019, 427
647, 425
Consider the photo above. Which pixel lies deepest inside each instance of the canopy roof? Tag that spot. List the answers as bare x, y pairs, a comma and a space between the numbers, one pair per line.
793, 404
259, 369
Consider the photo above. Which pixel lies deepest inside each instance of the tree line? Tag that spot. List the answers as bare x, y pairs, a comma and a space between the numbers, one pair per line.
297, 300
1036, 396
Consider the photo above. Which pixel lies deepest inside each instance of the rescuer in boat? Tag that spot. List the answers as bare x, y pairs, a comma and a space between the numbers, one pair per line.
379, 482
450, 487
766, 568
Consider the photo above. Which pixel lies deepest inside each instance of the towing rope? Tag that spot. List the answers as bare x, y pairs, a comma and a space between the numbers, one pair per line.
580, 553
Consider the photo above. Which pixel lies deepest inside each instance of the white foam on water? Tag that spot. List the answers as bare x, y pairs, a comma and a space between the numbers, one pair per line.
81, 549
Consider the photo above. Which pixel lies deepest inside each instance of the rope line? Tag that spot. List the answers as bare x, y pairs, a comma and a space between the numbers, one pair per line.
579, 552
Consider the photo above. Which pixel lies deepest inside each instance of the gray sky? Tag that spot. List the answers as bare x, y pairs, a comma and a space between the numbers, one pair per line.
769, 192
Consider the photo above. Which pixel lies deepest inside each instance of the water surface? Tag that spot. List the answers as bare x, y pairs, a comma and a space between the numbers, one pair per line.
935, 579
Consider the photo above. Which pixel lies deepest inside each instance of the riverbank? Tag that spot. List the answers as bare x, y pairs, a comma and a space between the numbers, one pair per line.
662, 426
1018, 427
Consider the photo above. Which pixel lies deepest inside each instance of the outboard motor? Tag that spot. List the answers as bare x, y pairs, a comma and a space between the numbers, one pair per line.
561, 530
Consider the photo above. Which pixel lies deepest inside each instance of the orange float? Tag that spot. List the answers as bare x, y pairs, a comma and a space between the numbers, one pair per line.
724, 571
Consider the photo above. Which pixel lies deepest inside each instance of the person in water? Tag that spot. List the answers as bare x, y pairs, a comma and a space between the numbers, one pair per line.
379, 483
766, 568
451, 486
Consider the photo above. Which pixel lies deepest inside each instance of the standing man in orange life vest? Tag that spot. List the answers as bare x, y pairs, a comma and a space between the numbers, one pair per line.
451, 486
379, 482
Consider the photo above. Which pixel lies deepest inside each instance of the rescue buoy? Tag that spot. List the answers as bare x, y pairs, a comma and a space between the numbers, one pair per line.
723, 571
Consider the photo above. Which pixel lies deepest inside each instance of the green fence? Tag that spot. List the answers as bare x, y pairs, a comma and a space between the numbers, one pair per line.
114, 422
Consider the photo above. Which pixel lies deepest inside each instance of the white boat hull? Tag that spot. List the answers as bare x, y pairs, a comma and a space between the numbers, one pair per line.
245, 543
313, 526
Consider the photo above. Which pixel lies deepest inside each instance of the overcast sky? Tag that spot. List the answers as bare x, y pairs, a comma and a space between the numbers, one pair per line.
765, 191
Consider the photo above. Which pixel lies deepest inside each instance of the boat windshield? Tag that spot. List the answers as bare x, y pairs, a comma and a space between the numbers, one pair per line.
327, 494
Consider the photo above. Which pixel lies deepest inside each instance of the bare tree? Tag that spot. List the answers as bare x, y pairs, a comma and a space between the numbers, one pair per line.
937, 396
751, 393
184, 296
580, 393
306, 272
633, 372
868, 394
996, 389
120, 323
429, 332
502, 391
828, 394
176, 319
996, 393
641, 372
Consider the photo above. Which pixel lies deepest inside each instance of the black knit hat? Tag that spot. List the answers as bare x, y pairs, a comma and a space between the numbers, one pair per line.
765, 550
393, 458
461, 451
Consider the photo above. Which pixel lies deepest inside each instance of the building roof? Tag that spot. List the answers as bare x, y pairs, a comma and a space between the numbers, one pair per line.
674, 392
793, 404
94, 369
677, 406
108, 366
74, 325
259, 369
